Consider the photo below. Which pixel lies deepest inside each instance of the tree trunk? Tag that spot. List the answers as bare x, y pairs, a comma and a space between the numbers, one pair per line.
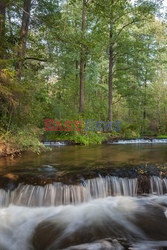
82, 61
110, 77
2, 28
23, 36
76, 68
145, 104
145, 100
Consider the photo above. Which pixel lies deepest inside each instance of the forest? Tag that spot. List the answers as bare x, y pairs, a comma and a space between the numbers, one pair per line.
81, 59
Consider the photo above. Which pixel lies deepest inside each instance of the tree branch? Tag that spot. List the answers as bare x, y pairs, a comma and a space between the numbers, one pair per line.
119, 17
119, 99
121, 69
119, 32
36, 59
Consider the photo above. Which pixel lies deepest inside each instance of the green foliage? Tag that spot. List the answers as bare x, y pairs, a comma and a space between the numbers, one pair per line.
23, 139
162, 136
49, 87
90, 138
128, 131
84, 138
81, 137
28, 139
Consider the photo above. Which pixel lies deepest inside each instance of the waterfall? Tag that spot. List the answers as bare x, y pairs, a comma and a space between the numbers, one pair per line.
138, 141
158, 185
55, 143
111, 185
60, 194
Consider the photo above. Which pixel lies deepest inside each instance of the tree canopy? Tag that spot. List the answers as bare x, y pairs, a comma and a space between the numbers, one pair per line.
83, 59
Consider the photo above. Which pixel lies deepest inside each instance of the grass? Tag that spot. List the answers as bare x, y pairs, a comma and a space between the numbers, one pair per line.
162, 136
86, 138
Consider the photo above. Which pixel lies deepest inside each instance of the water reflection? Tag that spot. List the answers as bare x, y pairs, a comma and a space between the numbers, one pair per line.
86, 156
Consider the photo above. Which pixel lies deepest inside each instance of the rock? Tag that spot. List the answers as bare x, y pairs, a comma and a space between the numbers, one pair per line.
153, 223
98, 245
51, 235
12, 177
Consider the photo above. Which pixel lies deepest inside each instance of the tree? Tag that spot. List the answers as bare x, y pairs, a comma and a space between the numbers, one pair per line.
2, 28
23, 36
104, 58
82, 60
117, 17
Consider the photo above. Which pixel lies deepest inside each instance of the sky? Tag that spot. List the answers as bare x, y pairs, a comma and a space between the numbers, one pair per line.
164, 11
164, 2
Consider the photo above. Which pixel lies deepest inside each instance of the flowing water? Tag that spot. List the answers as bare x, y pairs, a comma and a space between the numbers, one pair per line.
59, 194
140, 141
121, 208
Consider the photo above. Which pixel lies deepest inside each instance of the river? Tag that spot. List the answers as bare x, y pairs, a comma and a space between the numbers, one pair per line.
85, 197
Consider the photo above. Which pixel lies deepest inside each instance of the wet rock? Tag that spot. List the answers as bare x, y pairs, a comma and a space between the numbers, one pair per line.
106, 244
7, 183
47, 168
12, 177
145, 222
48, 174
143, 184
49, 235
153, 222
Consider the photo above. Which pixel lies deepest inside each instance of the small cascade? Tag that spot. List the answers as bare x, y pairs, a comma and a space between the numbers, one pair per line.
111, 186
55, 143
158, 185
60, 194
140, 141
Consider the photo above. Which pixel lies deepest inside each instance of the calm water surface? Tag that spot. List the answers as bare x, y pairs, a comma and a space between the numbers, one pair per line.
78, 157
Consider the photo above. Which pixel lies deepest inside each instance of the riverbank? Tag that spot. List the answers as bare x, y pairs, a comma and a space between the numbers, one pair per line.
13, 143
7, 149
33, 140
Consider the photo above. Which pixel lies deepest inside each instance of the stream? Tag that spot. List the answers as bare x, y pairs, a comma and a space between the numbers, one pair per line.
111, 196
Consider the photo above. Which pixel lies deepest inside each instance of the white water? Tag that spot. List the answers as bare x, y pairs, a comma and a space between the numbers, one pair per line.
59, 194
56, 143
142, 141
133, 141
158, 185
61, 226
